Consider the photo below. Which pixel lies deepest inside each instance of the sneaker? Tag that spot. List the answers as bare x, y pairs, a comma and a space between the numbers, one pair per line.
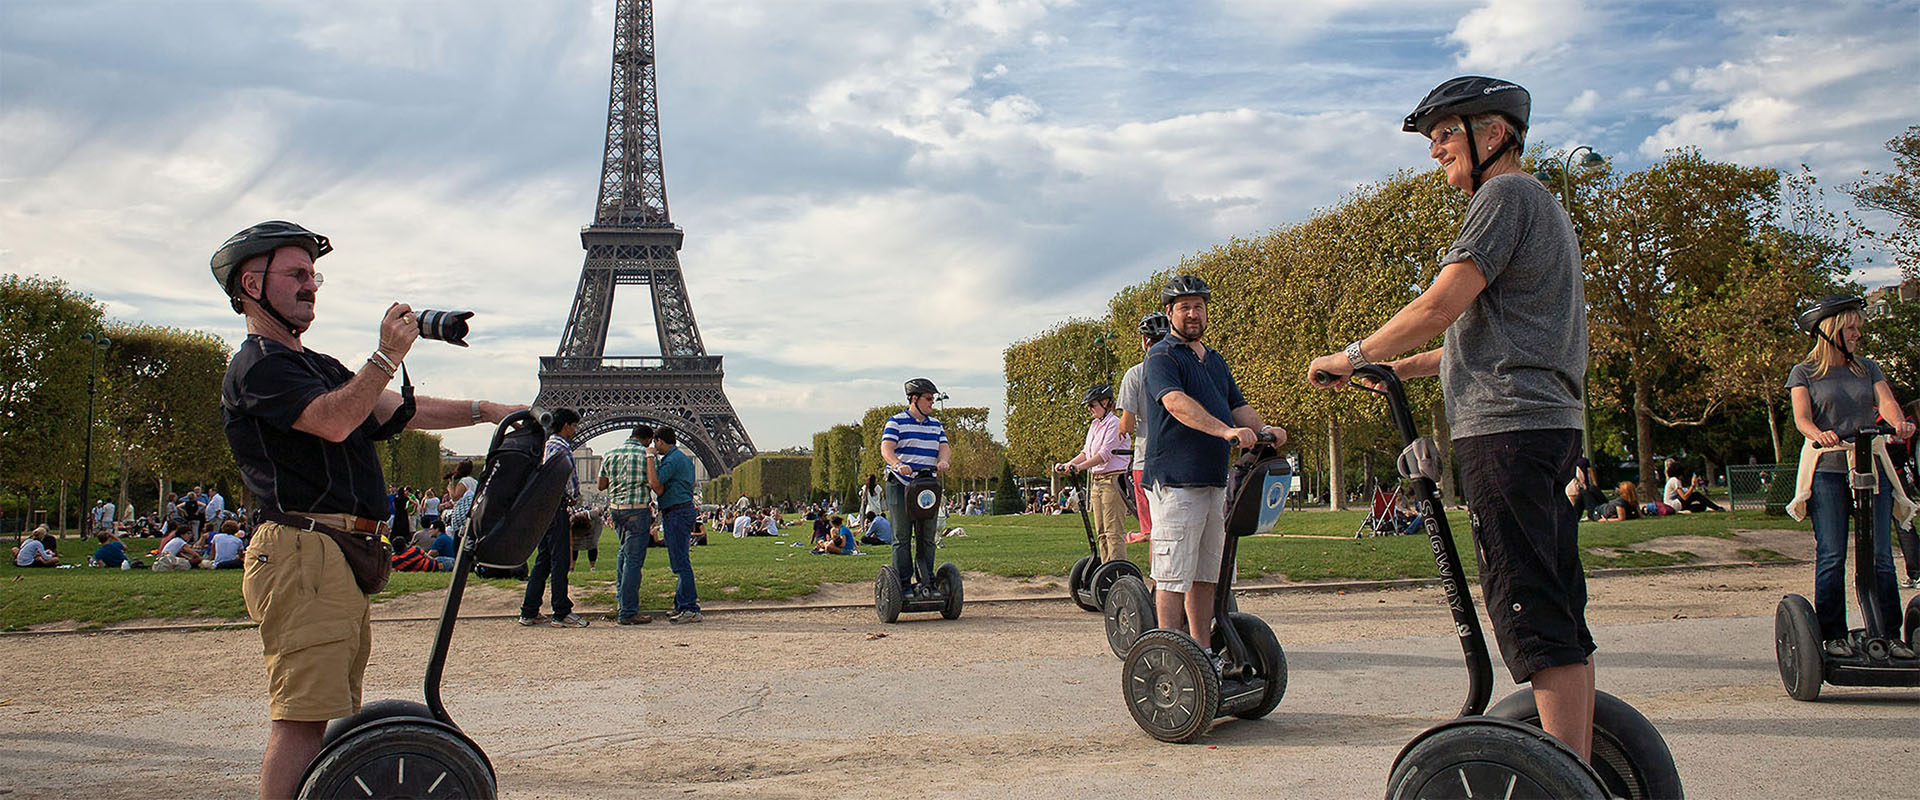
637, 619
684, 617
1899, 649
537, 619
1219, 663
1912, 583
568, 621
1837, 648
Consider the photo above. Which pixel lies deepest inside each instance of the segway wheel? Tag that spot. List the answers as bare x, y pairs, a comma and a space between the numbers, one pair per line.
1271, 663
1130, 613
946, 581
887, 597
1796, 645
1101, 580
1077, 583
1629, 755
1481, 757
401, 758
372, 711
1170, 685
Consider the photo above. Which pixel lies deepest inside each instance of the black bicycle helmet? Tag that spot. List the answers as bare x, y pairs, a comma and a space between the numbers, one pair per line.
1155, 326
923, 386
1181, 286
1467, 96
1097, 393
262, 240
1809, 320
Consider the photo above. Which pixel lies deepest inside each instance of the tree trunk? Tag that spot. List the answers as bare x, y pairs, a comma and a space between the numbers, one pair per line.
1773, 429
1336, 494
1643, 434
125, 497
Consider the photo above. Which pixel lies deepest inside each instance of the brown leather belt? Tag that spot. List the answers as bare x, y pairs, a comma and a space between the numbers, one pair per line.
344, 522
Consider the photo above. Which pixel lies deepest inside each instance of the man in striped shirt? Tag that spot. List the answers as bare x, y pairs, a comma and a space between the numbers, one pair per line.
913, 440
623, 476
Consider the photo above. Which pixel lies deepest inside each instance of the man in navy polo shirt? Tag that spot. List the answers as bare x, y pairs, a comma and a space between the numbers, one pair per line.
1196, 417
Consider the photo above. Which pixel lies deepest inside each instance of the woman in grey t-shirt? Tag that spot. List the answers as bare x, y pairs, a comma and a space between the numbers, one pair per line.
1836, 393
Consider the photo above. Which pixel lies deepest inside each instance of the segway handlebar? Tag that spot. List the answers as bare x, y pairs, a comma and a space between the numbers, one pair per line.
1453, 578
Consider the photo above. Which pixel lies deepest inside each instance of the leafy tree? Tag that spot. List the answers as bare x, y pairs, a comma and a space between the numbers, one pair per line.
956, 420
1660, 243
1047, 375
43, 378
1898, 194
412, 459
1893, 341
162, 404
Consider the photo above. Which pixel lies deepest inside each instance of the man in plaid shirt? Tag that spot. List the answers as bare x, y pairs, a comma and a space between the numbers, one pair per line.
548, 564
623, 476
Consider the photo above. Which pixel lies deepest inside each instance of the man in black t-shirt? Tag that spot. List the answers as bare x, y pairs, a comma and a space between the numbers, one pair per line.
302, 426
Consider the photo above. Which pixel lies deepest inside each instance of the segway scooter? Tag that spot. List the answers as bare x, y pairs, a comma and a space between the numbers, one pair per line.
1504, 753
1175, 688
1804, 665
1127, 605
941, 591
1091, 578
402, 749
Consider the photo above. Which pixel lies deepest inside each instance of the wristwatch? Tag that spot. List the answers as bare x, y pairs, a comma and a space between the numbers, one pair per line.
476, 412
1355, 358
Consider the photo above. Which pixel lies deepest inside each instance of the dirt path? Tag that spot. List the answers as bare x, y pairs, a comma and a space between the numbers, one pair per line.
1013, 699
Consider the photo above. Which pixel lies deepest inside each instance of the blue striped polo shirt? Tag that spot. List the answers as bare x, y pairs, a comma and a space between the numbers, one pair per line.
916, 443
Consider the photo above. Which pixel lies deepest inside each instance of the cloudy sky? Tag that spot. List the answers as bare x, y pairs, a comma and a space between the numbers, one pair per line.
871, 189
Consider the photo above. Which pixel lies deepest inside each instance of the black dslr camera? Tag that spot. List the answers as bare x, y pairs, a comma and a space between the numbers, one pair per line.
446, 326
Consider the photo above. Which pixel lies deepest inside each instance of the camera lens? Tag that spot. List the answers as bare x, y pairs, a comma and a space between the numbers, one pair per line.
446, 326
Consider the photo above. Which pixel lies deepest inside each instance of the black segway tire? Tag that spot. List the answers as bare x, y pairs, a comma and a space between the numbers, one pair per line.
1129, 611
1077, 583
1629, 755
887, 597
1271, 662
399, 758
1170, 686
1489, 757
1796, 646
1100, 581
946, 581
373, 711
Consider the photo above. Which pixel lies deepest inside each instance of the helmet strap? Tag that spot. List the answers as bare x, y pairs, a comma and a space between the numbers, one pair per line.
1473, 151
1844, 352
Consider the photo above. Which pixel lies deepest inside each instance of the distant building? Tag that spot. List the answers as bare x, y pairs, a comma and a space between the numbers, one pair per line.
1878, 299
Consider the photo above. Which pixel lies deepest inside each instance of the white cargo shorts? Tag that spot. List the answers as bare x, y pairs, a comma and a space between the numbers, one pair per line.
1189, 535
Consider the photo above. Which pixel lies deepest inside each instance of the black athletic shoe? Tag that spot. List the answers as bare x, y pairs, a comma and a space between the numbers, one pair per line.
1838, 648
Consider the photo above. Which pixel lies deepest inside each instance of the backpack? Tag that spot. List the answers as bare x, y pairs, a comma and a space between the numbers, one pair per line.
518, 495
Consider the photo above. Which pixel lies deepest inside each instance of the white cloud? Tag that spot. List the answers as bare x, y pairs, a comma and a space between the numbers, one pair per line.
1586, 102
1507, 34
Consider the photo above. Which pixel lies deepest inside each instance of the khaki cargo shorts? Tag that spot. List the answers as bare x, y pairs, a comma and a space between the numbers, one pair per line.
314, 622
1189, 535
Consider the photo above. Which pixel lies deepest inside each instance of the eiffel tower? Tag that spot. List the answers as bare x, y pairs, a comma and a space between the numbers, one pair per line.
632, 241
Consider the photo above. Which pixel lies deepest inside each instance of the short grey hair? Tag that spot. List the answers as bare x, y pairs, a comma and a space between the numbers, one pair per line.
1519, 134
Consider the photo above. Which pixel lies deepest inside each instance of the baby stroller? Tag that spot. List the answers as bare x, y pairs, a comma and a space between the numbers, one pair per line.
1380, 520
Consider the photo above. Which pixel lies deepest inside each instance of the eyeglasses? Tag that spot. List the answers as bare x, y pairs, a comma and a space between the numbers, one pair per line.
301, 276
1446, 134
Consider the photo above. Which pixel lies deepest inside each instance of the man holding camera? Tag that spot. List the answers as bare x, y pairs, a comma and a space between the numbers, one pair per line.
302, 426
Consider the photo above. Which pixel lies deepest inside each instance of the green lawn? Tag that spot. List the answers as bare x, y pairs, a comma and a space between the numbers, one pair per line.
770, 569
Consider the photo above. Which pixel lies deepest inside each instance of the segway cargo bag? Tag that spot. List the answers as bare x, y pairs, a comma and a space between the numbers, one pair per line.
519, 496
1257, 491
923, 497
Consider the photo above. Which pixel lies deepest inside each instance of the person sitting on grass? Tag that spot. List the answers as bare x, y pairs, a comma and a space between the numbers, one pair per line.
33, 552
742, 525
408, 557
827, 537
443, 546
111, 553
878, 530
1694, 497
176, 554
227, 549
1621, 508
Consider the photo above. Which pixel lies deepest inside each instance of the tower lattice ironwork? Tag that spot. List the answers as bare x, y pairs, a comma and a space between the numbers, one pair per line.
633, 241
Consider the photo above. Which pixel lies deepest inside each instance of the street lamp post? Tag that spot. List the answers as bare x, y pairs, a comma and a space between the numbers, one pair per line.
100, 344
1588, 161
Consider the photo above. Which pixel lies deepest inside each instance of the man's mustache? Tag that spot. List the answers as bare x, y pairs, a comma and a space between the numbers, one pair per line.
303, 296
